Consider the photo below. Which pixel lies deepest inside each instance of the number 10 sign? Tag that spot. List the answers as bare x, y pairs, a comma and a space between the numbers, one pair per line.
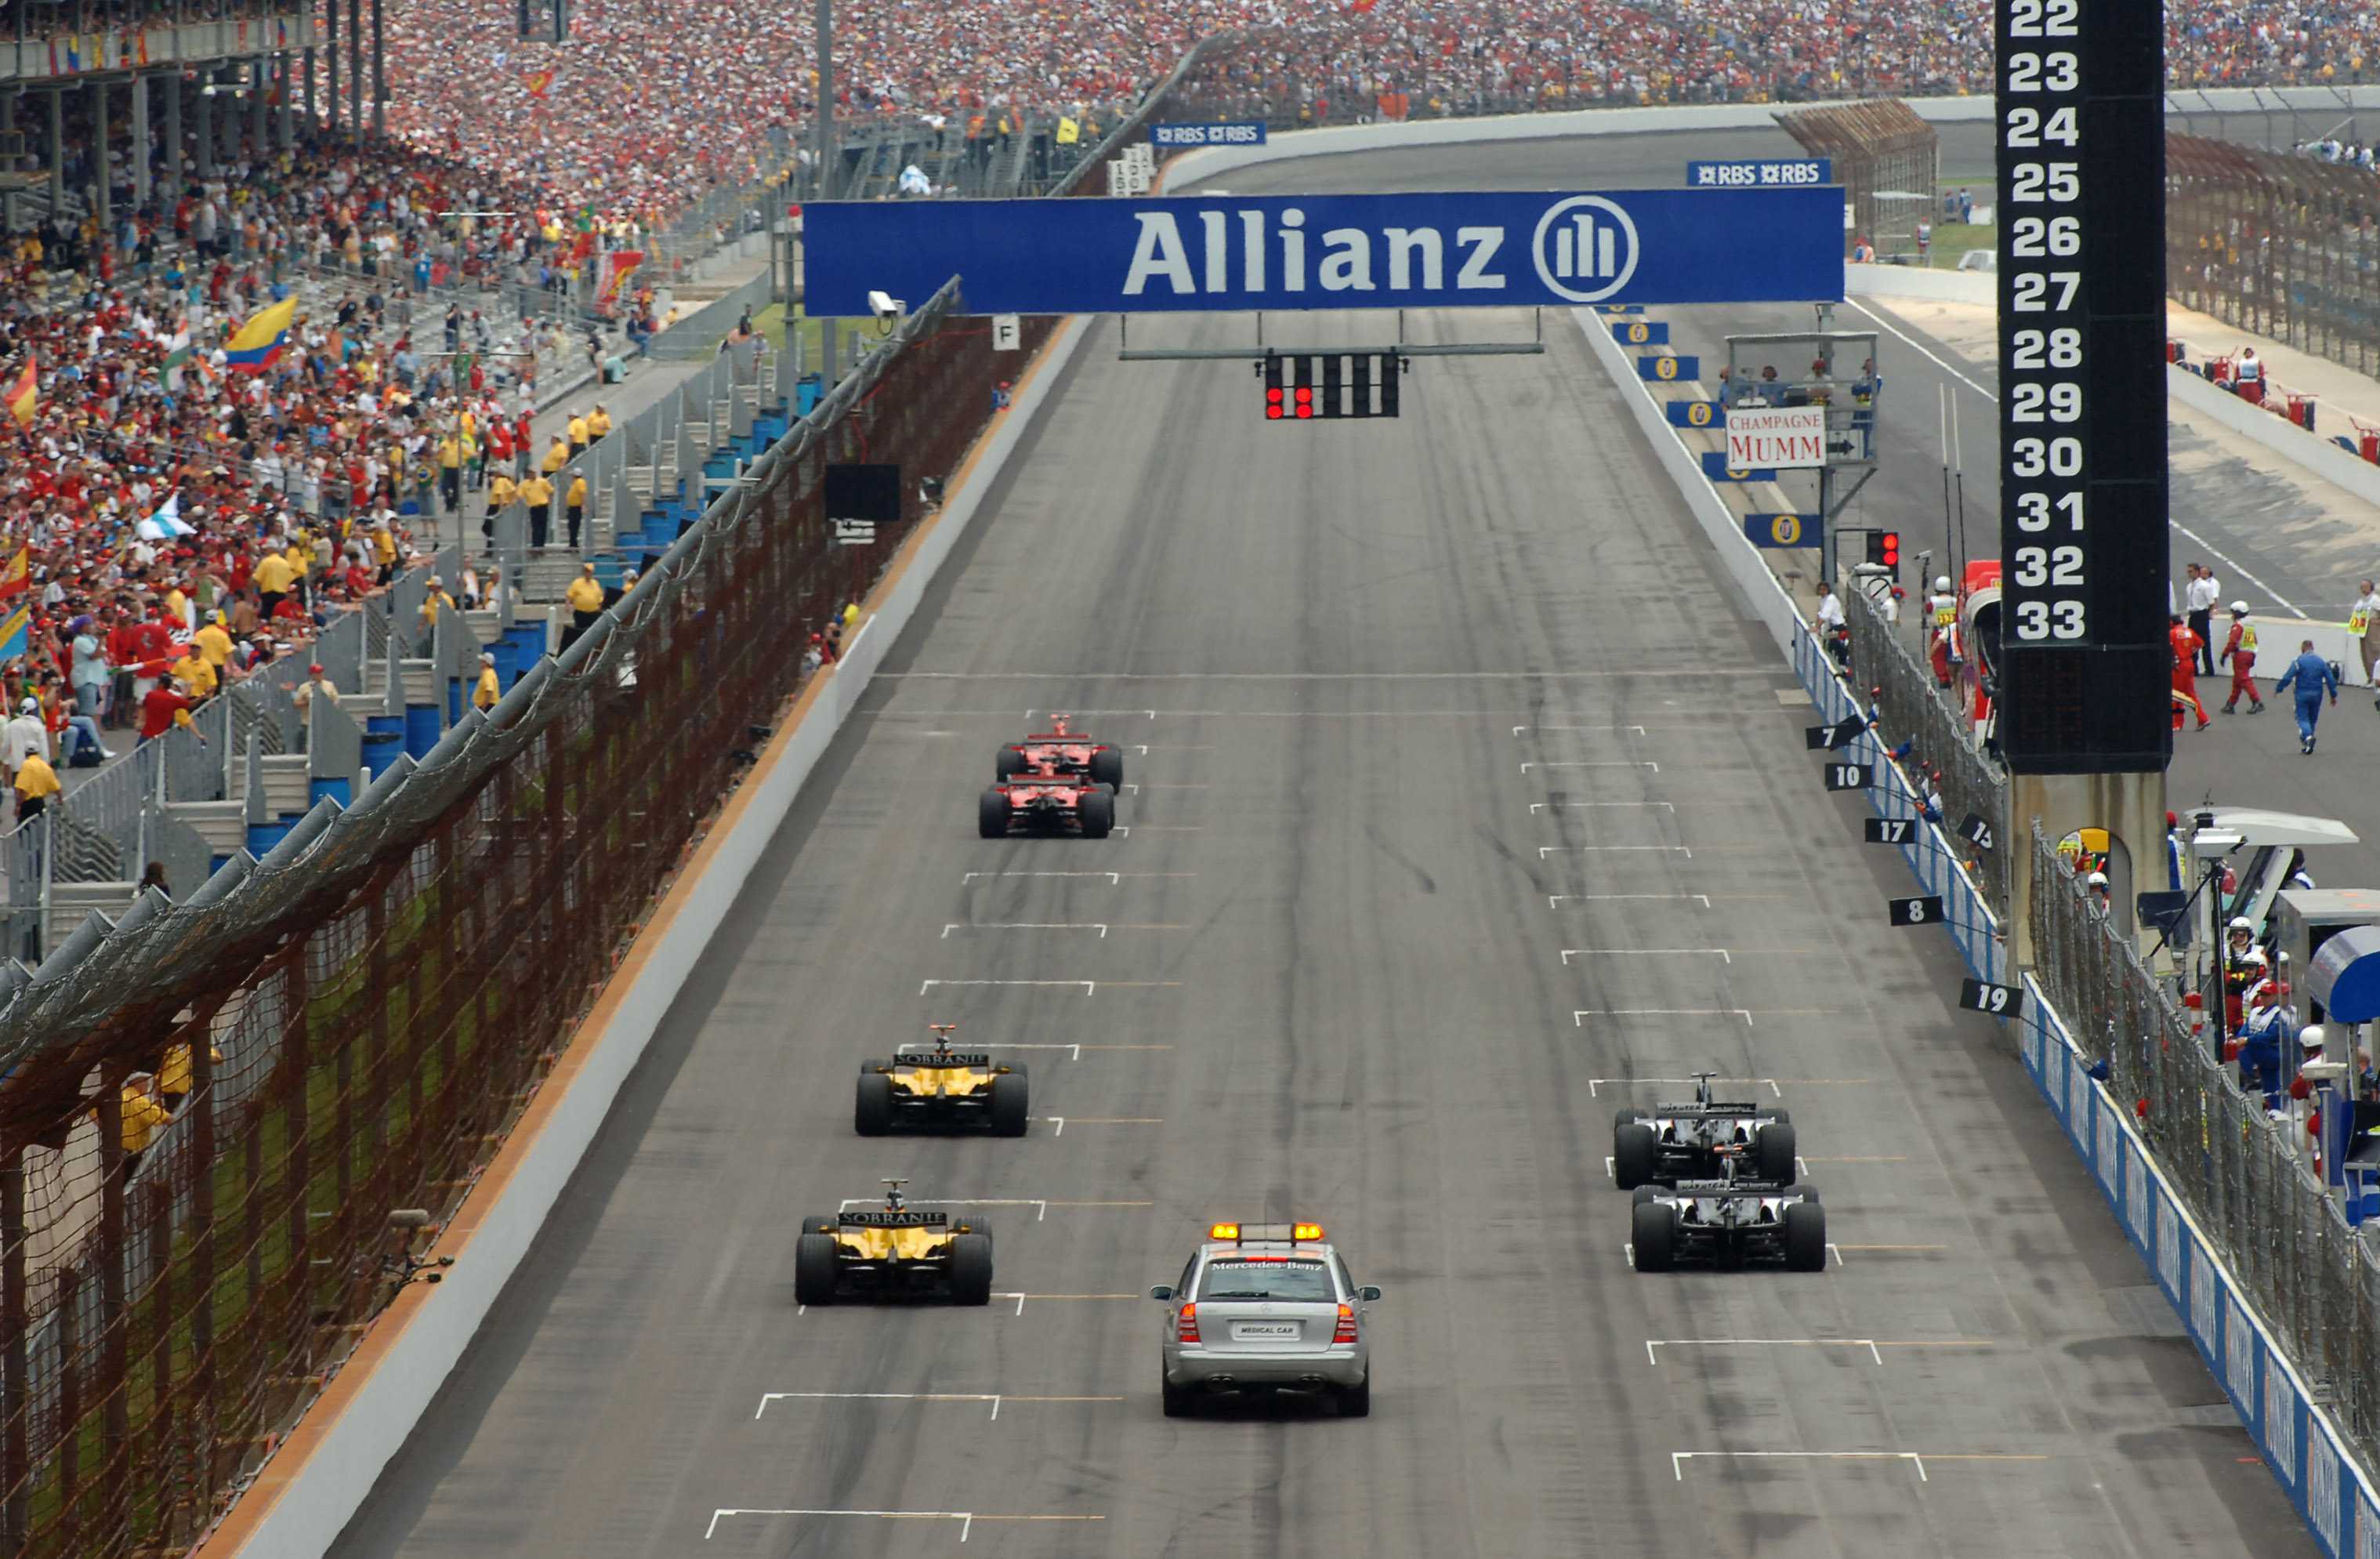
2082, 488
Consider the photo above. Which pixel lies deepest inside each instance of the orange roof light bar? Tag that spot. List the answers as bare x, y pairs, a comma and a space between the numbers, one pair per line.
1224, 1231
1304, 1231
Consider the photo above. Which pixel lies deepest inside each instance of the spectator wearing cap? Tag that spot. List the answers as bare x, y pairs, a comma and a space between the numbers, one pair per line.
574, 505
25, 736
578, 431
484, 696
586, 598
431, 604
195, 672
535, 494
316, 684
36, 782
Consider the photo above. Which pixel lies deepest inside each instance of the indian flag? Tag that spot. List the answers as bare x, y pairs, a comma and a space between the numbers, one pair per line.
259, 342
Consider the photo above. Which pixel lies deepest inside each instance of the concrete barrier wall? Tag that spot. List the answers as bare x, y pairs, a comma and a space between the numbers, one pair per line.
308, 1493
699, 333
1757, 590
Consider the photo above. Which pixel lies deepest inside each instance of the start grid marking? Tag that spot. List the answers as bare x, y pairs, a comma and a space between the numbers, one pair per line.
995, 1398
1915, 1458
965, 1519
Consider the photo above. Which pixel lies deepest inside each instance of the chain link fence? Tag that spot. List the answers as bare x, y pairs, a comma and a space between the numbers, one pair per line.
208, 1114
2286, 247
2314, 1277
1910, 708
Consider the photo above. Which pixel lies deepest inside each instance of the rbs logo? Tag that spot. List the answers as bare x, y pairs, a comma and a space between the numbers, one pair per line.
1586, 248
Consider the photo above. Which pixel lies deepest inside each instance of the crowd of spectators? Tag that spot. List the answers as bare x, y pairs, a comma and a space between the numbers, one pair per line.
185, 524
626, 118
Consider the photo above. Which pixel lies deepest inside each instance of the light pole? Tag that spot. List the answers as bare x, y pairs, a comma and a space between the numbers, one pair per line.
825, 95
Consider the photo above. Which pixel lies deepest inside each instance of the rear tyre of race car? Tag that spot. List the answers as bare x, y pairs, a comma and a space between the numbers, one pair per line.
814, 1269
1009, 764
1355, 1401
1178, 1400
1009, 1096
1636, 1157
970, 1269
991, 814
818, 1222
1653, 1229
1645, 1194
1773, 1151
979, 1226
871, 1110
1098, 814
1106, 767
1805, 1237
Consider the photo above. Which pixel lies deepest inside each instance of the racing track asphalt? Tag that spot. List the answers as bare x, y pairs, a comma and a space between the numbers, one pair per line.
1333, 983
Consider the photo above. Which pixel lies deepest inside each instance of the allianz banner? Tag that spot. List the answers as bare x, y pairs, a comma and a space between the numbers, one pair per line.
1329, 251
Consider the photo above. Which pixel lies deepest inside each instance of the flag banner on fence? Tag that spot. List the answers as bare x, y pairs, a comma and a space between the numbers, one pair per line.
1220, 253
17, 574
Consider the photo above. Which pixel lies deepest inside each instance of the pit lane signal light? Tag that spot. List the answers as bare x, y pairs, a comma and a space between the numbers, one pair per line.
1884, 547
1274, 406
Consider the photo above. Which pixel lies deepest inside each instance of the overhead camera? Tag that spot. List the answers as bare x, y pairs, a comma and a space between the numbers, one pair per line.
888, 309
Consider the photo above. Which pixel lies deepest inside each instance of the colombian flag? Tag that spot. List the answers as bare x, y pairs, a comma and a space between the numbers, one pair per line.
23, 399
259, 341
15, 574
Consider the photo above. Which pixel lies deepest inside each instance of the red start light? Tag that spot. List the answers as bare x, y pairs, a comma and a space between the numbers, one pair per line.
1273, 411
1303, 395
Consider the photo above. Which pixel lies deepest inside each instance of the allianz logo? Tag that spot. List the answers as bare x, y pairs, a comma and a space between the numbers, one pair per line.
1584, 249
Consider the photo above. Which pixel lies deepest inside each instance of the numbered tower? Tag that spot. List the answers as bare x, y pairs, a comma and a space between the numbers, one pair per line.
2084, 722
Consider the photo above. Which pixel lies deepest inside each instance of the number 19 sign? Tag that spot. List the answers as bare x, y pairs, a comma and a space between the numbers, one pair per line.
2082, 490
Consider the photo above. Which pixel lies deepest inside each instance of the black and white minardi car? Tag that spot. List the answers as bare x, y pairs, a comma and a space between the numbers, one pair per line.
1730, 1221
1656, 1146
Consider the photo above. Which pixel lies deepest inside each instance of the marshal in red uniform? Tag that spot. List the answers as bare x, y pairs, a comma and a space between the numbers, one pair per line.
2240, 649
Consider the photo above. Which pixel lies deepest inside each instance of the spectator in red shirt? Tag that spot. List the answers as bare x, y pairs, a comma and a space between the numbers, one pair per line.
167, 706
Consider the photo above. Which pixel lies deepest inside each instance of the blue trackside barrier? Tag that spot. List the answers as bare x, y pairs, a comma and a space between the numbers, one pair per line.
1931, 852
2304, 1449
2299, 1441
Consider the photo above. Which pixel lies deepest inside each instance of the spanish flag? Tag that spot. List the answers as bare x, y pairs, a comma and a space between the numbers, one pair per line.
24, 398
15, 574
537, 81
259, 341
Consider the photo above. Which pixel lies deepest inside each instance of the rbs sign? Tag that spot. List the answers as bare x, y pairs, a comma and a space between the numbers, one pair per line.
1328, 251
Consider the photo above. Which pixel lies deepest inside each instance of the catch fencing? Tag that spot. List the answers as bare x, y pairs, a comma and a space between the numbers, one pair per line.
2287, 247
1910, 708
2253, 1199
358, 1016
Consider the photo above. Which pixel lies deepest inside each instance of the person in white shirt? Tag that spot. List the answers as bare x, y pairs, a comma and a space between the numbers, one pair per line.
2200, 596
27, 734
2367, 606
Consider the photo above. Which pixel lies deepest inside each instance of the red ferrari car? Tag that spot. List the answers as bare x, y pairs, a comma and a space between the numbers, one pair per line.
1042, 800
1068, 752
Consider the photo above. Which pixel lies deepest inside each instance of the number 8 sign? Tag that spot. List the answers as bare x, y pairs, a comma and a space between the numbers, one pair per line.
1926, 910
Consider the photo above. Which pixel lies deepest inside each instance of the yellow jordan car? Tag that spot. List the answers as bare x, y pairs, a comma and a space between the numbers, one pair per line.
941, 1089
894, 1252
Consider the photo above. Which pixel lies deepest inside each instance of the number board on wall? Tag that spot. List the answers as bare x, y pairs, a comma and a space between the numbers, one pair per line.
2083, 484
